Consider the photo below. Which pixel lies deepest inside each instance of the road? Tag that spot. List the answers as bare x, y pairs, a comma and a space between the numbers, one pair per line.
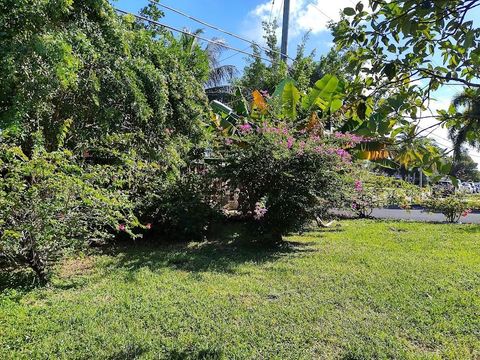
419, 215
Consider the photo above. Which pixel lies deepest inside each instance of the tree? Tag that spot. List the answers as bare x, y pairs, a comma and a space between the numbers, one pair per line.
109, 74
266, 75
216, 86
465, 127
465, 168
393, 48
400, 37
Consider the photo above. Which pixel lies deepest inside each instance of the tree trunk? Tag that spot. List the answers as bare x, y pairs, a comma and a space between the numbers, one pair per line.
37, 265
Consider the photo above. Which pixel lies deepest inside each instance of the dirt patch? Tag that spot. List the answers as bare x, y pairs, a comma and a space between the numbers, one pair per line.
76, 267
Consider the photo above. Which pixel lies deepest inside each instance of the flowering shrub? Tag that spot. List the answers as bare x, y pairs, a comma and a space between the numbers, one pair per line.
370, 191
454, 207
50, 206
285, 177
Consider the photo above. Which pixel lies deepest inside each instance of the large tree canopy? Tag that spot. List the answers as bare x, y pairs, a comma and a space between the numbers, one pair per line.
79, 61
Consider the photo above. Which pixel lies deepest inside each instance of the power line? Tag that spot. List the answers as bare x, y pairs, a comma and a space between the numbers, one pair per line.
218, 43
280, 11
271, 11
215, 27
231, 56
320, 11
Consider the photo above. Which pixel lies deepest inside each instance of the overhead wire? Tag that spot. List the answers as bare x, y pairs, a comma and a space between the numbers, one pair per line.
217, 28
218, 43
271, 11
321, 11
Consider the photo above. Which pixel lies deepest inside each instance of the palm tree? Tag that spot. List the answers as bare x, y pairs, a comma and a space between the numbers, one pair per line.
217, 85
466, 129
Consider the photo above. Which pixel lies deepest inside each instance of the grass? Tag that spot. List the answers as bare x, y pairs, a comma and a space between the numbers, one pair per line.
364, 290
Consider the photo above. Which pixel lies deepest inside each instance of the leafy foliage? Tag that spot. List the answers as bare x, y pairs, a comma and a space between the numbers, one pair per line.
370, 191
78, 60
50, 206
284, 177
454, 207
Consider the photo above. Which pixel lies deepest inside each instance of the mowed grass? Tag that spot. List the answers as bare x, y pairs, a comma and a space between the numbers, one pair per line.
364, 290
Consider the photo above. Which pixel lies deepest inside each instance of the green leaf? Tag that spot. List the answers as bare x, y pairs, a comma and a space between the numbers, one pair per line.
362, 110
322, 92
290, 100
349, 11
390, 70
335, 105
241, 104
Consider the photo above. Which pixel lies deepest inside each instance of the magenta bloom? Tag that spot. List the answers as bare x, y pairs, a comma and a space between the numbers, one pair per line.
228, 141
358, 185
290, 142
344, 155
246, 128
122, 227
260, 211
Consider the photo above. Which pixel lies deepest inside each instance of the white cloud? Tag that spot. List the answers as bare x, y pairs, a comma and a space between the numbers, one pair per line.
305, 15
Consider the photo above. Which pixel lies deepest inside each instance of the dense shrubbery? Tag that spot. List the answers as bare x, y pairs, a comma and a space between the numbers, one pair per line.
133, 101
104, 126
49, 205
286, 178
78, 60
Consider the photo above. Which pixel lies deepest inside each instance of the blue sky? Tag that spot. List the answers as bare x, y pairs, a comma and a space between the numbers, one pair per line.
244, 18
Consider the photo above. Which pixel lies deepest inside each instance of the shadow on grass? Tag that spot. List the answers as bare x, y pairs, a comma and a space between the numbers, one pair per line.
21, 280
229, 247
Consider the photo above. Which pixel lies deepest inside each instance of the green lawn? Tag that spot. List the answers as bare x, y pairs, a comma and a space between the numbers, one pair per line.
364, 290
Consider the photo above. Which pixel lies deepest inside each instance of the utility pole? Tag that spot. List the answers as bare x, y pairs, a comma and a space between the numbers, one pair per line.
286, 23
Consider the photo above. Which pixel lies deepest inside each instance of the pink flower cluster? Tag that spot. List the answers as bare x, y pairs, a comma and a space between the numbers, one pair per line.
273, 130
349, 139
344, 154
466, 213
290, 142
245, 128
260, 211
358, 186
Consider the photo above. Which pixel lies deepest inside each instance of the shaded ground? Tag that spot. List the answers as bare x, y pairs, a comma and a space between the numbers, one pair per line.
361, 291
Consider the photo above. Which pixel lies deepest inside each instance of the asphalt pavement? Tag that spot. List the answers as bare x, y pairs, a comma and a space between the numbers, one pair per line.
420, 215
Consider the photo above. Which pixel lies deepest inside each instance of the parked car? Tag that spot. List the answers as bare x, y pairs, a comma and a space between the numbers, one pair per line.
443, 188
467, 187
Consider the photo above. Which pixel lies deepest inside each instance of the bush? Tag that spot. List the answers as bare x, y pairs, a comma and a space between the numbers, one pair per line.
369, 191
454, 207
285, 178
50, 206
182, 210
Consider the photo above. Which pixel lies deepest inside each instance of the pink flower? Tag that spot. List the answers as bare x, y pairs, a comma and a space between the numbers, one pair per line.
122, 227
301, 147
358, 185
344, 155
148, 226
466, 213
260, 211
290, 142
228, 141
246, 128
